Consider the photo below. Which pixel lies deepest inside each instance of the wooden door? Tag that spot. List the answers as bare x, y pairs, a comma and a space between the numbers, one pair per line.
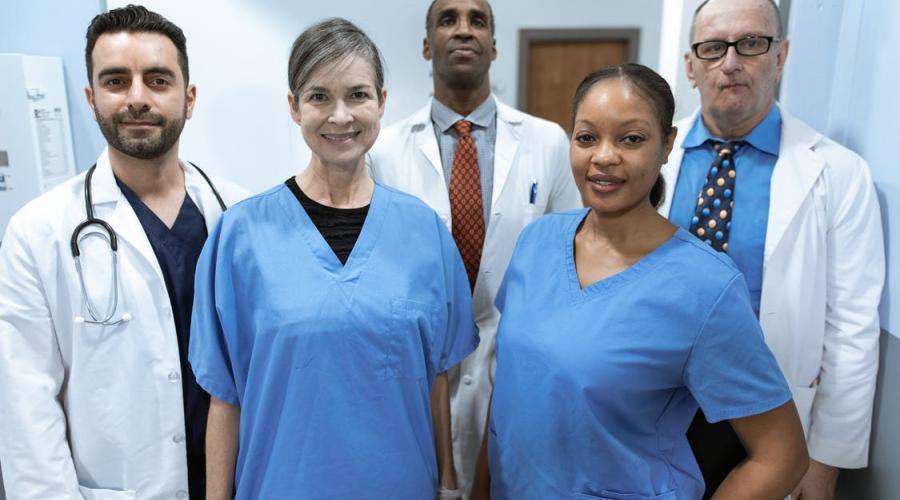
554, 65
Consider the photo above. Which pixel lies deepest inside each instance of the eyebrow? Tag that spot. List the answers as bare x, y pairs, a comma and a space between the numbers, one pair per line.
451, 11
121, 70
362, 86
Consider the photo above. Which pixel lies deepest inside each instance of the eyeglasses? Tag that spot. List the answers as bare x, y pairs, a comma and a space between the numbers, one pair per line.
752, 45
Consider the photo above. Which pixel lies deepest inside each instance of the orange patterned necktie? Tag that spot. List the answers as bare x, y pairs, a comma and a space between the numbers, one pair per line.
466, 212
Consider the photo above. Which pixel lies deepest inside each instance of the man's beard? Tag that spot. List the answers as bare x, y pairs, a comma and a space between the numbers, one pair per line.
145, 148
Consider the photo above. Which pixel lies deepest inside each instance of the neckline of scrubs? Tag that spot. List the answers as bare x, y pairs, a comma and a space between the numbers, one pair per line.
365, 243
604, 285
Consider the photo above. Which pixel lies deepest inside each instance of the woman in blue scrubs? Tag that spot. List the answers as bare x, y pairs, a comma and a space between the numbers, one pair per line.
328, 308
616, 325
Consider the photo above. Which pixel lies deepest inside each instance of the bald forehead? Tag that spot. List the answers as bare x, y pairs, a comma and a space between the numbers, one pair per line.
753, 16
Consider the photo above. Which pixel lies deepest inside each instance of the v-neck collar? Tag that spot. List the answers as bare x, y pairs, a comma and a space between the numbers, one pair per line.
150, 216
600, 287
320, 249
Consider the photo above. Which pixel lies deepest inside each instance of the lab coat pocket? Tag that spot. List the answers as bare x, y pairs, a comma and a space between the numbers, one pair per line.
411, 337
613, 495
101, 494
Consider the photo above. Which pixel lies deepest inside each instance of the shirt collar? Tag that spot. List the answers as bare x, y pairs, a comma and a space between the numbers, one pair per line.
766, 136
444, 117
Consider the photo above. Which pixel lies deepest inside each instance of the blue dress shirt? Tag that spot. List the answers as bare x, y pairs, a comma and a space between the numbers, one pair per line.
484, 134
754, 165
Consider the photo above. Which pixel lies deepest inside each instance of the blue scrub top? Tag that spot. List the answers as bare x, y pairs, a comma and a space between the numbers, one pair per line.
177, 250
596, 386
331, 365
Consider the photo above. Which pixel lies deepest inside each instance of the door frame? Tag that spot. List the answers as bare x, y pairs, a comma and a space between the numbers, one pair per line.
632, 36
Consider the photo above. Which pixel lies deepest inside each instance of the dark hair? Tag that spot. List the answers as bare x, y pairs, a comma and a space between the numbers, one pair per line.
779, 26
651, 87
135, 19
431, 9
326, 42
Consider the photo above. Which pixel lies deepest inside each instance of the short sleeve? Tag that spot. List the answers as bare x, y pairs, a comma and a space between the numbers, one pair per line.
730, 370
461, 337
209, 350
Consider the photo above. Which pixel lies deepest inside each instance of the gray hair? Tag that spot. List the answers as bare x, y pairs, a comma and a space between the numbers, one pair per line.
327, 42
779, 26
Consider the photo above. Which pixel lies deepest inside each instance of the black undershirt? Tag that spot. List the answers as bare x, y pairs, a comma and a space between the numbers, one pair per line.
339, 226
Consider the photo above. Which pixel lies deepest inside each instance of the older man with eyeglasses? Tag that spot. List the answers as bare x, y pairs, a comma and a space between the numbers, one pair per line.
799, 216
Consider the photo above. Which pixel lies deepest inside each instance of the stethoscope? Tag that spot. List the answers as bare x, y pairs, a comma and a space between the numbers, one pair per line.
95, 317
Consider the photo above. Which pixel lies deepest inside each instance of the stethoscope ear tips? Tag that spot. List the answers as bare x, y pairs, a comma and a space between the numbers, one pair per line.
126, 317
79, 319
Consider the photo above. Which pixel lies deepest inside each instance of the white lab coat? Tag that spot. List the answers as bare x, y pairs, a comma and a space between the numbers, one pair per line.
528, 150
823, 271
90, 411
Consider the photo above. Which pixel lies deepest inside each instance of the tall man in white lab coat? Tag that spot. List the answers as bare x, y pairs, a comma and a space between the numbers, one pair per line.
488, 170
805, 231
98, 399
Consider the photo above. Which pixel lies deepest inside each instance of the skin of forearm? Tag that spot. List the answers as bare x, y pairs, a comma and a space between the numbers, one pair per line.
222, 438
759, 481
440, 415
777, 456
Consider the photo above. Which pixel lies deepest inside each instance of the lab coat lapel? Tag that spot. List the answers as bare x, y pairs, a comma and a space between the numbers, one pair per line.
110, 204
795, 173
508, 122
202, 193
672, 167
425, 139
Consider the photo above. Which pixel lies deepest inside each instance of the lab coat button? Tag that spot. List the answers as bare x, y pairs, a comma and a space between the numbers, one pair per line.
467, 379
181, 494
177, 438
173, 377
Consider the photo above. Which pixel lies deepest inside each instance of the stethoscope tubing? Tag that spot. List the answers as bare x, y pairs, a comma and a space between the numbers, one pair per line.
91, 220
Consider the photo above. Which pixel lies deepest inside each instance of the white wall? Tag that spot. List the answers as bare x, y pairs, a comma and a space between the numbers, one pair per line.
238, 56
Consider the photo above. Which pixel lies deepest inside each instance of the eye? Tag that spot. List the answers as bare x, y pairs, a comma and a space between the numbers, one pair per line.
114, 82
584, 138
479, 22
317, 97
359, 95
159, 82
445, 21
633, 139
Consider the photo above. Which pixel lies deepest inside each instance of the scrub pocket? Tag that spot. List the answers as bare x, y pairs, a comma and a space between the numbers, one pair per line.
411, 337
612, 495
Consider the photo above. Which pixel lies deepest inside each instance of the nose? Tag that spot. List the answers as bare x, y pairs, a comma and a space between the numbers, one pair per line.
732, 61
463, 28
605, 154
341, 114
138, 97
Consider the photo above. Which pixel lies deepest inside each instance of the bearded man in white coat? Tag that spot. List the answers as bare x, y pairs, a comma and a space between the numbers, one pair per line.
488, 170
99, 401
805, 231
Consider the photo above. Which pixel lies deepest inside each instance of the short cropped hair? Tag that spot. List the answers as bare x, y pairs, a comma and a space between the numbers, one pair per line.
428, 25
135, 19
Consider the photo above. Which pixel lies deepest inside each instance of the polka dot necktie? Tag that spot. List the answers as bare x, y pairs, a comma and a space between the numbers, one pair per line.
466, 212
712, 217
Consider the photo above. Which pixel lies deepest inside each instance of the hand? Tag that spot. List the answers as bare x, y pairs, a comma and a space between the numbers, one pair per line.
819, 483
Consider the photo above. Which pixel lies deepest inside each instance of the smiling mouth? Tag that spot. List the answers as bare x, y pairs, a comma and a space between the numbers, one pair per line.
605, 183
344, 137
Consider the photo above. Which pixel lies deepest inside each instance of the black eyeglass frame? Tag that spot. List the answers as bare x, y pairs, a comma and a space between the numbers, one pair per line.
770, 40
